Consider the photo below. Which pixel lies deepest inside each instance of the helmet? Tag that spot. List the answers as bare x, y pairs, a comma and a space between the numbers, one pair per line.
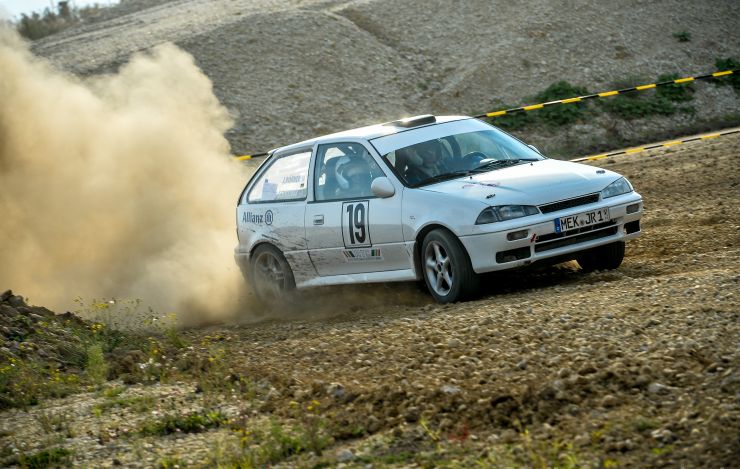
428, 151
353, 173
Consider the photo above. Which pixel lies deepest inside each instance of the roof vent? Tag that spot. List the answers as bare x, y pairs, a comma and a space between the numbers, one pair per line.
414, 121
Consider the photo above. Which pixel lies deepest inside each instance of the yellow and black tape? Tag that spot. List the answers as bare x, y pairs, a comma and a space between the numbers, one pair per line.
671, 143
576, 99
249, 157
606, 94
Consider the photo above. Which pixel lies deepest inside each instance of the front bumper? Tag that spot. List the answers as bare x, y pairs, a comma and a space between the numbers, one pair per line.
494, 251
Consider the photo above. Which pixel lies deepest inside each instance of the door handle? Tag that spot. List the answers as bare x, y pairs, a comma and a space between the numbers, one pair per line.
318, 219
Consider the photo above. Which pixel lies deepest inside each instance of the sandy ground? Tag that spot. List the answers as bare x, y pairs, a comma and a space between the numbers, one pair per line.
626, 368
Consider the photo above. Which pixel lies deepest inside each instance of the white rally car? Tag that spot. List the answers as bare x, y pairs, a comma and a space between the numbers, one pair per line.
439, 198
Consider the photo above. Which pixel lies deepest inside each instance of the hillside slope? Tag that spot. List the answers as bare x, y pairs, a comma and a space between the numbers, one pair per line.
290, 70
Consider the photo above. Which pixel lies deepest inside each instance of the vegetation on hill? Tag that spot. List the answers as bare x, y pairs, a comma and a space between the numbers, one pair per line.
35, 26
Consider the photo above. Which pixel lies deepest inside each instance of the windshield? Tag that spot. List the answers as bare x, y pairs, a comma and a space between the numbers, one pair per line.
458, 155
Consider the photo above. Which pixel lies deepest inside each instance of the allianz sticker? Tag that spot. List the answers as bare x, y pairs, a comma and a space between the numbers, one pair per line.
362, 255
258, 218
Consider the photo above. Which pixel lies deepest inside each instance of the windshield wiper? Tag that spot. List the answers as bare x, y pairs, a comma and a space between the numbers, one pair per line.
442, 177
501, 164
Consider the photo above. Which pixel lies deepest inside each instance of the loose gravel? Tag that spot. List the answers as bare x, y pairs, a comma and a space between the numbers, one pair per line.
632, 367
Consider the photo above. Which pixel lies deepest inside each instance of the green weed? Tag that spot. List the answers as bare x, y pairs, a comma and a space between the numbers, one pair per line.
682, 36
191, 423
47, 458
169, 462
732, 80
561, 114
96, 367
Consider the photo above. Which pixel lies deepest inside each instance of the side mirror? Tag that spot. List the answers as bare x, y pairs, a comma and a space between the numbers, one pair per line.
382, 187
534, 148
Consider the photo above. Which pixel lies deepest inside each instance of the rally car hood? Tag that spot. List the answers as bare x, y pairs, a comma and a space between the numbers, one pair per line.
533, 183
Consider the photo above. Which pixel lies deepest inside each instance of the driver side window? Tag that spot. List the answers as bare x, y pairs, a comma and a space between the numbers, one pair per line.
344, 171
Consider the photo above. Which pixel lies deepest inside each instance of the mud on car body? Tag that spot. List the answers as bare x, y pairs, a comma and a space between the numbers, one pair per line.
442, 199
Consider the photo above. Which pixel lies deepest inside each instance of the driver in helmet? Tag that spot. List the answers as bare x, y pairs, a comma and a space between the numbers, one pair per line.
424, 162
353, 177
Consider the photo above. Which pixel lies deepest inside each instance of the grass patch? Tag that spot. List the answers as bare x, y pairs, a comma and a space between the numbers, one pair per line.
192, 423
730, 80
643, 425
96, 367
561, 114
170, 462
662, 102
271, 442
682, 36
55, 422
47, 458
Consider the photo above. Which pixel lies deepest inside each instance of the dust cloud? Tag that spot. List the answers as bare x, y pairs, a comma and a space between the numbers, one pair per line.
119, 186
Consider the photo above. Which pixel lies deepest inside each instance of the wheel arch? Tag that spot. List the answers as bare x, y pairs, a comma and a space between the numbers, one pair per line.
419, 239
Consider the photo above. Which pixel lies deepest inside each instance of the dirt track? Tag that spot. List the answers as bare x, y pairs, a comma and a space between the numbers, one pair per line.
633, 367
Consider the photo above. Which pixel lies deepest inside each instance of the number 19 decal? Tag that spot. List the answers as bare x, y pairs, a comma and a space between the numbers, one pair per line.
354, 223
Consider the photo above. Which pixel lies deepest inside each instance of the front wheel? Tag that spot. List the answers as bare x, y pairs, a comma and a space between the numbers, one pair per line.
605, 257
272, 276
446, 267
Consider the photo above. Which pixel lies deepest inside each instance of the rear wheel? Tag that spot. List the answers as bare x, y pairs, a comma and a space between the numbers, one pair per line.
446, 267
272, 277
605, 257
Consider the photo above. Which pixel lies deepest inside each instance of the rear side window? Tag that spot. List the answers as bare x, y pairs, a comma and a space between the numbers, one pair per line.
285, 179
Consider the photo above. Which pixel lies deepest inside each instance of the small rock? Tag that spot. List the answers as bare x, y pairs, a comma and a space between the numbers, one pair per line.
587, 370
657, 388
449, 389
522, 365
663, 435
453, 343
508, 436
345, 455
373, 424
584, 439
336, 391
16, 301
609, 401
412, 415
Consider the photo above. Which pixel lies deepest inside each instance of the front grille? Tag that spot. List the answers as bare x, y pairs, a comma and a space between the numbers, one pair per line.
570, 203
587, 233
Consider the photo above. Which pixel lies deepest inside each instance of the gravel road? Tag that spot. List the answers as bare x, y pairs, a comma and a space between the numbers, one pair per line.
633, 367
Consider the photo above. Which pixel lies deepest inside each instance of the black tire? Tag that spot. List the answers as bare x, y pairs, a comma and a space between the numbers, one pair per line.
271, 276
605, 257
446, 267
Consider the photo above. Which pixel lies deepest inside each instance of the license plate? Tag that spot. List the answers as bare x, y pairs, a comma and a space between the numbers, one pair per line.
581, 220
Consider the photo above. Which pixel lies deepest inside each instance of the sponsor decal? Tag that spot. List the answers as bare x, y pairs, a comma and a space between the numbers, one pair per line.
360, 255
268, 217
480, 183
257, 218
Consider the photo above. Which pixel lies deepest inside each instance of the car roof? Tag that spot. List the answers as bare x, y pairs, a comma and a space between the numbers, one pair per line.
367, 133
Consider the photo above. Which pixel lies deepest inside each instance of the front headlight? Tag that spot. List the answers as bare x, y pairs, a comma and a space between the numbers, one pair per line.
505, 212
618, 187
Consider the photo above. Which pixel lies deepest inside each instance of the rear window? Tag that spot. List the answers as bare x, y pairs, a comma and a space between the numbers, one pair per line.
285, 179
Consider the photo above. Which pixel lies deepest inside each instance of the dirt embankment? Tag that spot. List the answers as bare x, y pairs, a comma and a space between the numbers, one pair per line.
291, 70
632, 367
